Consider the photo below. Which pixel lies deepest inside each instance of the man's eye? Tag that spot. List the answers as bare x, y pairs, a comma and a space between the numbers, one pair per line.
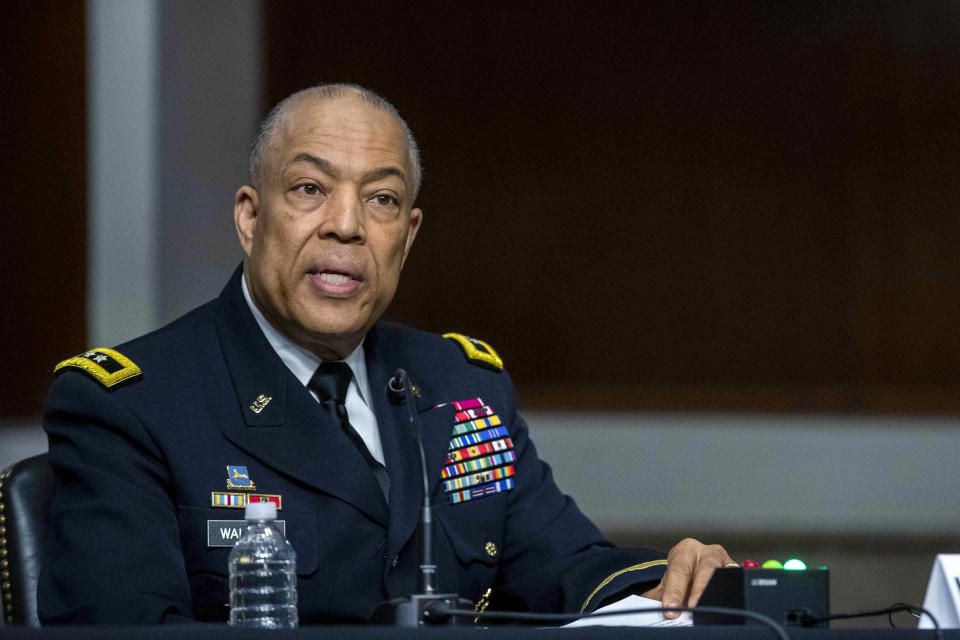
309, 189
385, 200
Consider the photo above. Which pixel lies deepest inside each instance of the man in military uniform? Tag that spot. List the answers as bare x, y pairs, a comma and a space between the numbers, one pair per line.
278, 390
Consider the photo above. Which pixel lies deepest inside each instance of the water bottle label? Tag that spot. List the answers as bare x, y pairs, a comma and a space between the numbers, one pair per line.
225, 533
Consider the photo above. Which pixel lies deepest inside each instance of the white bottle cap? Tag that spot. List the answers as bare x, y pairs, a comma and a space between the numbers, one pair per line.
260, 511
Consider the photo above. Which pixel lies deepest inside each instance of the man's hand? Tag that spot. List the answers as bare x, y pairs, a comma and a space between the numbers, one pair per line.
691, 565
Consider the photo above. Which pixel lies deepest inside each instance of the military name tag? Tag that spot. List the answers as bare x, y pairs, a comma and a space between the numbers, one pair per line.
225, 533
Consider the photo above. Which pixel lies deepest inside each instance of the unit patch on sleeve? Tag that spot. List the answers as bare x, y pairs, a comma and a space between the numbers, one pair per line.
480, 455
108, 367
477, 351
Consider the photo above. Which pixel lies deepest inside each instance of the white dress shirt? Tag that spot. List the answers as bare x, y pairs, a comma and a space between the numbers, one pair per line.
303, 364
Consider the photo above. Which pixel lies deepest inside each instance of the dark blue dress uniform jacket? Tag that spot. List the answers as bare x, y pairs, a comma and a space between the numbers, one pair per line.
136, 465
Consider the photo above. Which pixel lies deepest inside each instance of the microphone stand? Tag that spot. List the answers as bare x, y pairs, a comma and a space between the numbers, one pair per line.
426, 607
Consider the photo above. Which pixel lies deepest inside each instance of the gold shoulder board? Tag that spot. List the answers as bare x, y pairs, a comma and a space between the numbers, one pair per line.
478, 351
108, 367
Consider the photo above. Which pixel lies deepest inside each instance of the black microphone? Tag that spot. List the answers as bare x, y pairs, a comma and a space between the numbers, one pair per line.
395, 388
427, 606
427, 579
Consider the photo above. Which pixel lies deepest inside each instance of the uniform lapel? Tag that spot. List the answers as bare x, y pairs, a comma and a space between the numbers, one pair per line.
398, 442
284, 427
436, 422
398, 447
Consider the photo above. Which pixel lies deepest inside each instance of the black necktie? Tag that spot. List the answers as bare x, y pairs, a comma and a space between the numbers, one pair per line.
330, 382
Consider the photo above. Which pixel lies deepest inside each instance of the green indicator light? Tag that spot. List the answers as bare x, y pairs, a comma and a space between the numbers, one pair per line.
771, 564
794, 565
823, 568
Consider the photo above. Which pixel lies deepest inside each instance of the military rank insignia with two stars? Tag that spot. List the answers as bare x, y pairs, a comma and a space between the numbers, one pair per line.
108, 367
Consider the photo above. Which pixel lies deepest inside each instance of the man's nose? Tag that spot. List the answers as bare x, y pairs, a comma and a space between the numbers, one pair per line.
343, 218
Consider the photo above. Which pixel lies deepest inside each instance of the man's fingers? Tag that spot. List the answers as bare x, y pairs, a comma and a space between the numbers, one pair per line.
676, 581
691, 565
674, 591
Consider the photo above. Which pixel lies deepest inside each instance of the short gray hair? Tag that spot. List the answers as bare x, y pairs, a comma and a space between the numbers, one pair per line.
275, 119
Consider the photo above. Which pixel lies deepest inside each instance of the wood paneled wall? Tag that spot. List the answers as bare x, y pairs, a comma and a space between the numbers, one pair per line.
726, 205
683, 205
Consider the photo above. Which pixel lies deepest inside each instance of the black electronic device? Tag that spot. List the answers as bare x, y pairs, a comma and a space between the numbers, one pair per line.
788, 597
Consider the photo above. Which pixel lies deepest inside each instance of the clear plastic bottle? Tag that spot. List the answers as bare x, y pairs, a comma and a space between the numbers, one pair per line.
263, 573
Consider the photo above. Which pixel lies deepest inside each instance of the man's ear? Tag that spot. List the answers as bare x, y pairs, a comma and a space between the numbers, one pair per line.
416, 218
246, 210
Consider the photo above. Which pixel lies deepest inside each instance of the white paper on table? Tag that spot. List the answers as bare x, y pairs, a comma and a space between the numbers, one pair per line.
651, 619
943, 593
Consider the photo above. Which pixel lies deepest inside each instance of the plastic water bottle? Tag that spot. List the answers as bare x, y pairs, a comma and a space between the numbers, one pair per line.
263, 573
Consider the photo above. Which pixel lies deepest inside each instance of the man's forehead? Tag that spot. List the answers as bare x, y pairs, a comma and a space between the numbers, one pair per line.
343, 122
346, 132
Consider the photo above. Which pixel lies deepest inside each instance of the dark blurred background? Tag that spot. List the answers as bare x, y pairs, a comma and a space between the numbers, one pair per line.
721, 235
680, 205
